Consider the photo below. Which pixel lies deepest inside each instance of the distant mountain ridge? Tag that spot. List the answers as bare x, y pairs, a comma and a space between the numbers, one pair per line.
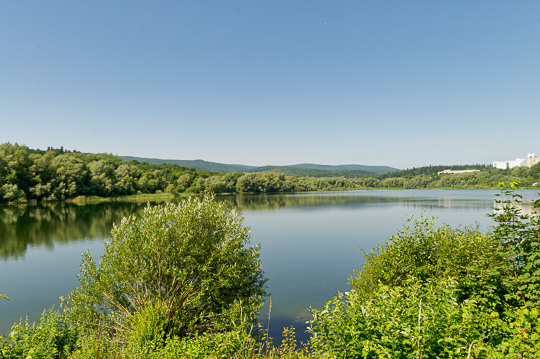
350, 167
303, 169
196, 164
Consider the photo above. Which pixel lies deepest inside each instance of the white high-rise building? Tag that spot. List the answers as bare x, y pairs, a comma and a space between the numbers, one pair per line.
530, 161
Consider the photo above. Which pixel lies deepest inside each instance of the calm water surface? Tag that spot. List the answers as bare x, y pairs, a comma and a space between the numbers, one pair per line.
310, 242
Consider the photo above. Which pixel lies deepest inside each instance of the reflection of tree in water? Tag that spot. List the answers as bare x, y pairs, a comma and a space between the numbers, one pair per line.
461, 204
277, 201
47, 224
526, 207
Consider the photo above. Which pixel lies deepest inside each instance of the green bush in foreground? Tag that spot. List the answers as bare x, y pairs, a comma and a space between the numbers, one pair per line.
51, 338
416, 320
437, 292
177, 270
428, 252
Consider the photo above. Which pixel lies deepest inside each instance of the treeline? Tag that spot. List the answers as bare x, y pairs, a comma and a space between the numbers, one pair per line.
57, 174
312, 172
434, 170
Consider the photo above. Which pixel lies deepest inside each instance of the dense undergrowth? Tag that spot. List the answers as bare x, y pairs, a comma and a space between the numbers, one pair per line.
429, 292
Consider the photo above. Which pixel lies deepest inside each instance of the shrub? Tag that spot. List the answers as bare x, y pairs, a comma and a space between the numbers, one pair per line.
437, 292
519, 237
177, 270
428, 252
51, 338
417, 320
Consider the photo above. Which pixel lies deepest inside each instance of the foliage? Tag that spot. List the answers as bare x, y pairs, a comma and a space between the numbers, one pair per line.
522, 335
312, 172
179, 269
196, 164
57, 174
434, 292
428, 252
519, 234
51, 338
433, 170
418, 319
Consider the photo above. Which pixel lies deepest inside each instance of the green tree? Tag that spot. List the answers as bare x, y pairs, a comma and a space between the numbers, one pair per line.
71, 177
519, 236
188, 263
102, 176
11, 193
183, 182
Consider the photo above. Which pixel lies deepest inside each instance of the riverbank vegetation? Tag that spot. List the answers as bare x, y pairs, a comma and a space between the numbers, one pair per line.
28, 175
181, 281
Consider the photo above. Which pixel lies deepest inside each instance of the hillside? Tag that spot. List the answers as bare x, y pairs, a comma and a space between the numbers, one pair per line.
196, 164
304, 169
296, 170
351, 167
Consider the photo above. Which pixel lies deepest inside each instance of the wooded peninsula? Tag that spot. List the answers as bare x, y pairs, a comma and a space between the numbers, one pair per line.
57, 174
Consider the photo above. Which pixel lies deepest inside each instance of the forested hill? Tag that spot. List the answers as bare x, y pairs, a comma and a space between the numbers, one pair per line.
296, 170
433, 170
352, 167
195, 164
304, 169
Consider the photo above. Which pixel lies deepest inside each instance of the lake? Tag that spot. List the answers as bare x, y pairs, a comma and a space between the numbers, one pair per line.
310, 242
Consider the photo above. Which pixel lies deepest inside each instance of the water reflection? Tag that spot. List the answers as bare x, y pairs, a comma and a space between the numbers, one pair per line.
313, 201
414, 199
47, 224
310, 242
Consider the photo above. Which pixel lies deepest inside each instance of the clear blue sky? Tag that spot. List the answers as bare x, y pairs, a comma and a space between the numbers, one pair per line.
401, 83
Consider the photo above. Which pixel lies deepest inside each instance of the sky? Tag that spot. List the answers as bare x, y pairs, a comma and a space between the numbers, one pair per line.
400, 83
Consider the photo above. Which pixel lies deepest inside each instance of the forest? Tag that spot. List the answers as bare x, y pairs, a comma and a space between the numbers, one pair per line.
58, 174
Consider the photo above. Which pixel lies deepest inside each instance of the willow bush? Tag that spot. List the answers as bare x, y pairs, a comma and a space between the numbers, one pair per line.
175, 270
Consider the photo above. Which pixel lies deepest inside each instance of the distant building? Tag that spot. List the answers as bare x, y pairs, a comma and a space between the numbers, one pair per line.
457, 171
530, 161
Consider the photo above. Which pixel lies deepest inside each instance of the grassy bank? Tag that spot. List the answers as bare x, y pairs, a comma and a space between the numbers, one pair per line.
136, 197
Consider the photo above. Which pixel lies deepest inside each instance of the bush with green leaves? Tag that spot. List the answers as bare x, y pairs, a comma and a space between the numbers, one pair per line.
426, 252
415, 320
177, 270
519, 236
52, 337
438, 292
